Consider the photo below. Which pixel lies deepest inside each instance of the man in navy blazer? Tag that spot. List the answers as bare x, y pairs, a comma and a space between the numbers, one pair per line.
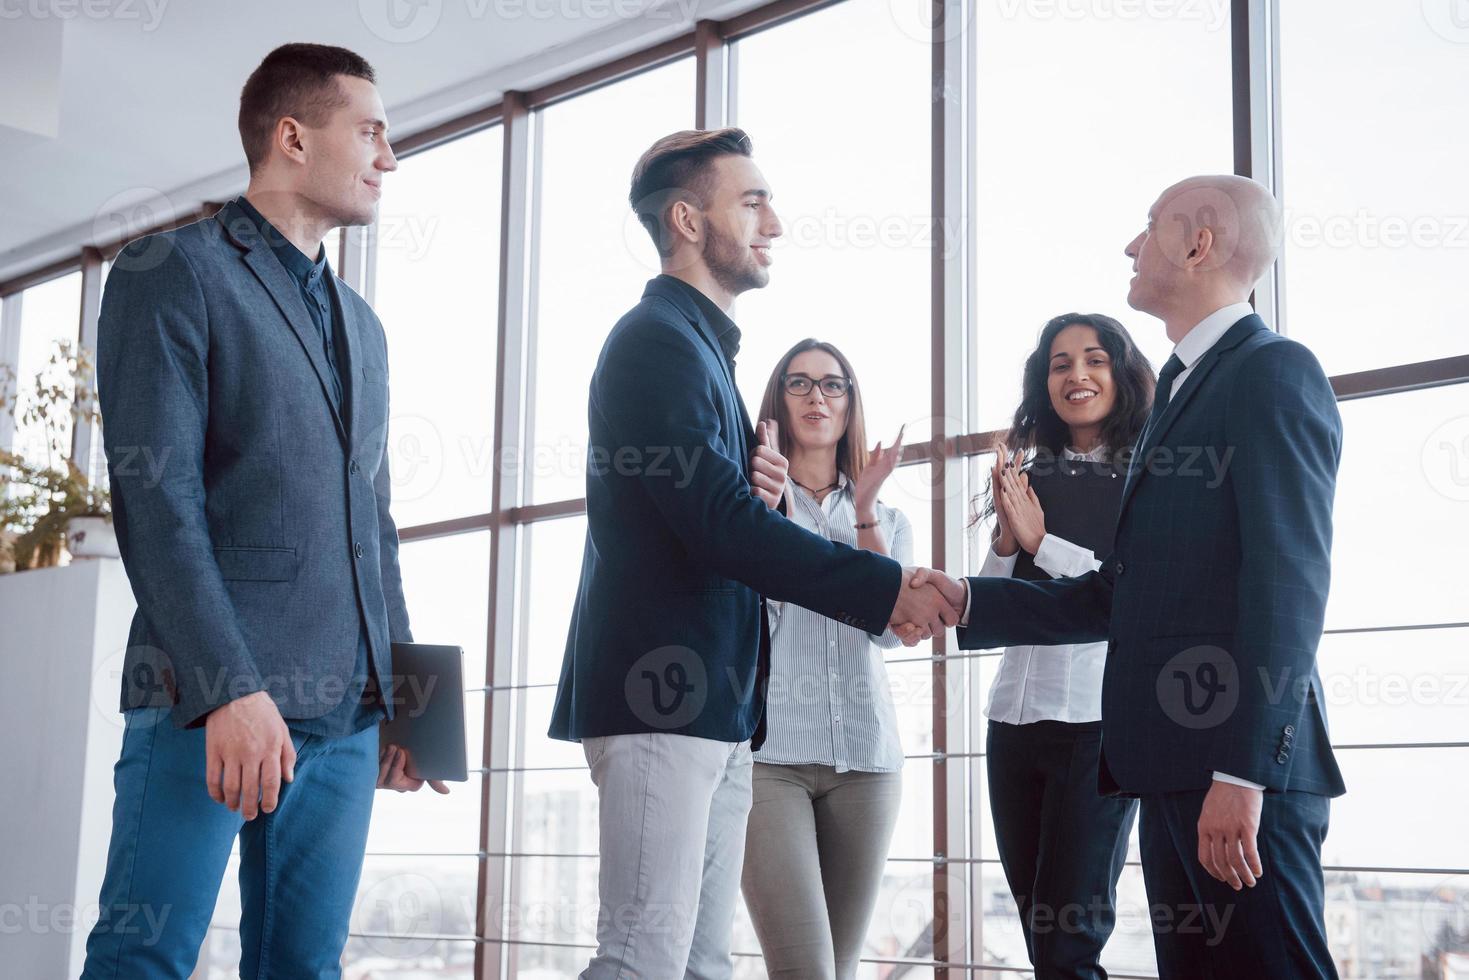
667, 653
1212, 604
244, 398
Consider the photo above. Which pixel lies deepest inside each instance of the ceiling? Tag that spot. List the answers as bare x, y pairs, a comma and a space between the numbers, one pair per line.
120, 114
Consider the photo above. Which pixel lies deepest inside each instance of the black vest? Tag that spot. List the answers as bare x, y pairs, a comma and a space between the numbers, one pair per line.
1081, 499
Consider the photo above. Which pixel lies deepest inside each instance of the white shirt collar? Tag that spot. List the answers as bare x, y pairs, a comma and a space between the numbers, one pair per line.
1196, 343
1095, 456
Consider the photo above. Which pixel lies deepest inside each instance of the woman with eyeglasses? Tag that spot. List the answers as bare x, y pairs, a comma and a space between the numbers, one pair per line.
828, 780
1055, 492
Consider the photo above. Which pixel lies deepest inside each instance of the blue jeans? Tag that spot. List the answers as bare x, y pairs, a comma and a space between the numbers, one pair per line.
299, 865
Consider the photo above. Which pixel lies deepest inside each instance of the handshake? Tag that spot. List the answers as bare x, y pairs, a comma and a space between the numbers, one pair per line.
929, 602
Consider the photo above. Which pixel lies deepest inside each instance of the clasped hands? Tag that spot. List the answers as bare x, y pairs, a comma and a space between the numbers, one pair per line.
929, 602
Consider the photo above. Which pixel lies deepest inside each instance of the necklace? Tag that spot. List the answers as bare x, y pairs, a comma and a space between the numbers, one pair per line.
814, 493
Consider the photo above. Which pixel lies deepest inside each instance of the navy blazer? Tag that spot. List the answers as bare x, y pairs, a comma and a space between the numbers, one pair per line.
667, 632
1213, 599
251, 517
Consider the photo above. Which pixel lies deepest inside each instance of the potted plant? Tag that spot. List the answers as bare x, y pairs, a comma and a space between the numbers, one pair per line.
45, 508
56, 509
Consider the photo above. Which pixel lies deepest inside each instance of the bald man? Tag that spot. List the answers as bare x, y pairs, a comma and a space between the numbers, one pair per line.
1212, 604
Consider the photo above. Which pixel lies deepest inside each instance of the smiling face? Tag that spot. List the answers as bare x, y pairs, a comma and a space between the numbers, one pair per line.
1080, 380
347, 156
816, 421
739, 225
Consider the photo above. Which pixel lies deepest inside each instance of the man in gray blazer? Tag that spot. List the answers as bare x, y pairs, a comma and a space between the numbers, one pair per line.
244, 397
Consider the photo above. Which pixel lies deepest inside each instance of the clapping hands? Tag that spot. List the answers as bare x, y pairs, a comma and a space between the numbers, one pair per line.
1019, 520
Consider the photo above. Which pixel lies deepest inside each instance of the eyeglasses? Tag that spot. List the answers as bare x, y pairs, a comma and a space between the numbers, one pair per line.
831, 385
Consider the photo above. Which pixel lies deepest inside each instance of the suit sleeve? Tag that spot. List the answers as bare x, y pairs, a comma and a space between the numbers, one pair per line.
153, 389
1286, 431
387, 535
1010, 611
656, 394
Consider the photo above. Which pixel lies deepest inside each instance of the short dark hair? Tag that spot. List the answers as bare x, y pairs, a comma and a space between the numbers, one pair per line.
296, 80
677, 168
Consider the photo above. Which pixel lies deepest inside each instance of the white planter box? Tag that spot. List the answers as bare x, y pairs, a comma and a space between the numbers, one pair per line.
65, 632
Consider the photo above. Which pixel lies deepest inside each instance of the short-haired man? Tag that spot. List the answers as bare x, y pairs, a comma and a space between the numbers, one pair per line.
261, 553
663, 680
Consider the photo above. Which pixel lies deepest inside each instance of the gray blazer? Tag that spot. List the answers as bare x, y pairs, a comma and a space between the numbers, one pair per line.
251, 518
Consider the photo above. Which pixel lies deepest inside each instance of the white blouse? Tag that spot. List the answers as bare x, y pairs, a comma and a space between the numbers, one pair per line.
829, 702
1049, 683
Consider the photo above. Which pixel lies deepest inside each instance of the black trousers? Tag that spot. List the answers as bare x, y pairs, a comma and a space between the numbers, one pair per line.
1062, 844
1202, 928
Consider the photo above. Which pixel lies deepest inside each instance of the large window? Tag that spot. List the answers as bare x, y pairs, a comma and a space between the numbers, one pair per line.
438, 253
1079, 123
850, 179
48, 319
593, 255
1377, 229
1074, 118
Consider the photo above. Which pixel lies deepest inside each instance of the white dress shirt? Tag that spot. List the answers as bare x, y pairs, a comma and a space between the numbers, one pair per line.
828, 701
1062, 682
1196, 343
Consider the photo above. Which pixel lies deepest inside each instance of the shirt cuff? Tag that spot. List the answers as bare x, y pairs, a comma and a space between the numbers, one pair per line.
1222, 777
964, 619
997, 566
1060, 558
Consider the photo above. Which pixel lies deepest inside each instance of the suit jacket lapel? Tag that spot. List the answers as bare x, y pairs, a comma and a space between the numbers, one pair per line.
1137, 468
701, 324
287, 298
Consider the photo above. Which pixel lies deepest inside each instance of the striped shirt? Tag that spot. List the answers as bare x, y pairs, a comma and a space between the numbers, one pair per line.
828, 702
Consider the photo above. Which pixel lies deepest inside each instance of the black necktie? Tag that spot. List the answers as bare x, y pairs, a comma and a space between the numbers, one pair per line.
1172, 368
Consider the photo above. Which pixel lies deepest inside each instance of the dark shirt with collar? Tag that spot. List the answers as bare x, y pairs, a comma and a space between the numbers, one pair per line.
724, 328
361, 705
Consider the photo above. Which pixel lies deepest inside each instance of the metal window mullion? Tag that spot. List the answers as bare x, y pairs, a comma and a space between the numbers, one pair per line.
711, 75
10, 307
949, 277
1254, 68
506, 490
84, 437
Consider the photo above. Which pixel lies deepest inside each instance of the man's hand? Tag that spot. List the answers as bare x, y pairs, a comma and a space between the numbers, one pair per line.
1228, 824
248, 753
395, 771
768, 468
922, 610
